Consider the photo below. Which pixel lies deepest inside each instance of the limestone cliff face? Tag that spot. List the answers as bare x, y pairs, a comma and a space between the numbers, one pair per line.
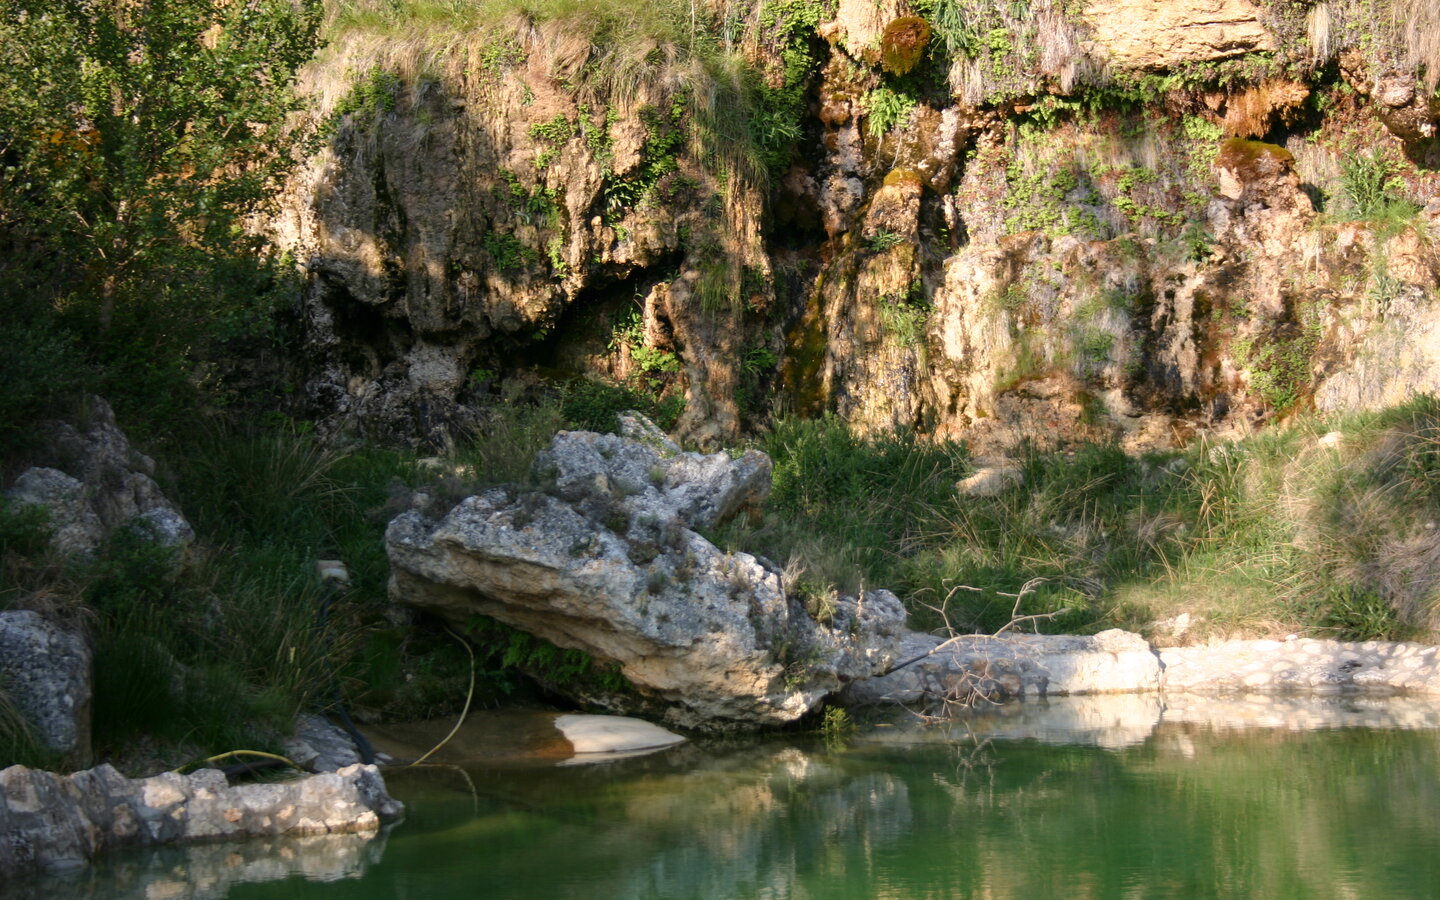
1135, 221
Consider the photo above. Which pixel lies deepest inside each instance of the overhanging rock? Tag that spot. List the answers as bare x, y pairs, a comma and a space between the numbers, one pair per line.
603, 557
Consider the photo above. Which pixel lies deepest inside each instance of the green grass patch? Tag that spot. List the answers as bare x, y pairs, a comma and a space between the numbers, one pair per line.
1280, 533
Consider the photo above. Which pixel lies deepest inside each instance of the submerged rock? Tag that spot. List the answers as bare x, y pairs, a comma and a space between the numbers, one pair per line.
52, 821
605, 558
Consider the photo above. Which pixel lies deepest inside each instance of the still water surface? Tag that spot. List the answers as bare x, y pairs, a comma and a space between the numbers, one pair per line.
1059, 801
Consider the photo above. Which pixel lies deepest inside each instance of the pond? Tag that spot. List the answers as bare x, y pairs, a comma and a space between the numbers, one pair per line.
1084, 798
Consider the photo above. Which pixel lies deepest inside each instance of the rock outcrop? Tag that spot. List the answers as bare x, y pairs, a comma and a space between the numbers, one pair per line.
320, 746
1048, 251
93, 482
1165, 34
45, 674
1117, 721
604, 557
50, 821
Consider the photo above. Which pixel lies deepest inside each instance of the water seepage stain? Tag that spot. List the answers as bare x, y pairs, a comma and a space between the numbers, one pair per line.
1088, 797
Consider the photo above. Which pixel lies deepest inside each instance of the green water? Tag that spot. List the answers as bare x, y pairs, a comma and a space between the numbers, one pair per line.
1181, 811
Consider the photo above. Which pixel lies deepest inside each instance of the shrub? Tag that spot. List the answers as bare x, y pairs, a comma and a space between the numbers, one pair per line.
1371, 185
885, 108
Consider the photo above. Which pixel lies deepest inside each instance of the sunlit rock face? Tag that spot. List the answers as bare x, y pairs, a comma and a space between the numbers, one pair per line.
1052, 244
1163, 34
604, 557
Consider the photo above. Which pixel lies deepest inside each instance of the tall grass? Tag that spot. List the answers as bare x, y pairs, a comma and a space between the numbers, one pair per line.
1277, 534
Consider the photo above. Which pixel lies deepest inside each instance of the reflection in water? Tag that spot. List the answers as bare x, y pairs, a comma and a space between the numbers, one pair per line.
1017, 803
209, 871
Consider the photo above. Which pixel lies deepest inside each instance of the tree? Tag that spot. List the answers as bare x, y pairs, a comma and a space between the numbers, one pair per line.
136, 137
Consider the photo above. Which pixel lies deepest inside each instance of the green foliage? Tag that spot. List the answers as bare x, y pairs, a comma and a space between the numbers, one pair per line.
836, 725
137, 141
1279, 364
223, 656
629, 333
43, 370
778, 102
1278, 533
1040, 201
665, 138
1093, 347
508, 253
554, 131
539, 205
843, 506
24, 529
1197, 128
371, 94
18, 743
886, 108
904, 320
883, 240
568, 669
501, 449
759, 360
757, 366
1372, 186
779, 111
588, 405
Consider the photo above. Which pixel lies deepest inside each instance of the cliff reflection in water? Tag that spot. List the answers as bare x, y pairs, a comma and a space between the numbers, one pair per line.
1085, 798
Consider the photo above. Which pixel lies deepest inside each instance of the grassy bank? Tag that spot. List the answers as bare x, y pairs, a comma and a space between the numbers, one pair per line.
1323, 527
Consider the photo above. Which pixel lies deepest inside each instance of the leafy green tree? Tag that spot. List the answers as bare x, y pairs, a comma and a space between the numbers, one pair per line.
136, 137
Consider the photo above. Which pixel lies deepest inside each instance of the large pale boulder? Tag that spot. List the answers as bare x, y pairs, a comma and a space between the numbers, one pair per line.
1162, 34
605, 559
45, 674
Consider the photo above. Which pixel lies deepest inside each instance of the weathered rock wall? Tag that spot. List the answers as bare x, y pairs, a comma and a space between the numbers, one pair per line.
1051, 232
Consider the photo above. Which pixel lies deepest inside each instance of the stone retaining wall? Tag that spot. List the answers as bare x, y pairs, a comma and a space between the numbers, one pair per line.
1115, 661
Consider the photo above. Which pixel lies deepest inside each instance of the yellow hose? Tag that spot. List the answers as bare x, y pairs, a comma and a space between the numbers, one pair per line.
468, 697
